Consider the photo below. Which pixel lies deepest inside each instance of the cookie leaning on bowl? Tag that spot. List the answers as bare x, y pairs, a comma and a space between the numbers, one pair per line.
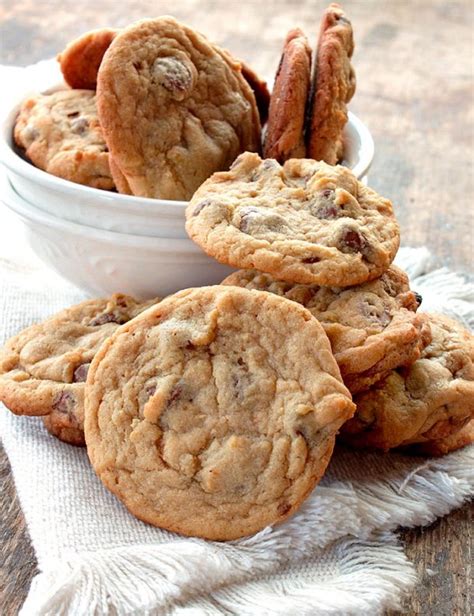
60, 134
423, 404
224, 411
305, 222
43, 368
173, 108
373, 328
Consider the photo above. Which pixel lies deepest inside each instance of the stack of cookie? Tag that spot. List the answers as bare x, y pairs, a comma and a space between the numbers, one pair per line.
313, 234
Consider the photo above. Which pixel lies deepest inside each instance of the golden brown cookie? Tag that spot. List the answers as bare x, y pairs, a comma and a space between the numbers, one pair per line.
43, 368
81, 59
458, 440
173, 108
60, 133
284, 138
333, 86
428, 401
305, 222
214, 413
260, 90
372, 328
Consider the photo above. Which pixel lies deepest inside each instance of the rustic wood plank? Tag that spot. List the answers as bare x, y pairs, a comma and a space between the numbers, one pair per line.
415, 91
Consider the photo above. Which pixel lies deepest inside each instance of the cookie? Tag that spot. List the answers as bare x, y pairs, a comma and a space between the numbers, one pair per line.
284, 138
60, 133
458, 440
120, 180
43, 368
305, 222
427, 402
173, 108
372, 328
214, 413
81, 59
260, 90
333, 86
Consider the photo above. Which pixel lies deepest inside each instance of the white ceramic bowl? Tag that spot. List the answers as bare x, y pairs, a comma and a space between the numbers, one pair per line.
103, 262
127, 214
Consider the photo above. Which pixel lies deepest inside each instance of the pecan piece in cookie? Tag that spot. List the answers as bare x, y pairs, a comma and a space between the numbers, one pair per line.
43, 369
333, 86
285, 129
173, 108
372, 328
423, 404
60, 133
220, 439
304, 222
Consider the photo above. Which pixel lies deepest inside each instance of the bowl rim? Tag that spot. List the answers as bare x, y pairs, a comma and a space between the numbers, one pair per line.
15, 163
25, 211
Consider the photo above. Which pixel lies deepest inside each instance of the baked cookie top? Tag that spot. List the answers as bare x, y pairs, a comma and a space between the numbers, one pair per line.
214, 413
305, 222
372, 328
81, 59
60, 133
173, 108
333, 86
43, 368
427, 401
284, 137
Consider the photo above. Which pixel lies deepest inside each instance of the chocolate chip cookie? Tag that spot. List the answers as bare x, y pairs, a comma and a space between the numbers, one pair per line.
60, 133
173, 108
372, 328
214, 413
43, 368
442, 446
333, 86
425, 403
285, 130
81, 59
305, 222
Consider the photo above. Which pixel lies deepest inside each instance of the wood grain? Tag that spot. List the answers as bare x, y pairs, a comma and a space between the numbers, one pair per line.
415, 91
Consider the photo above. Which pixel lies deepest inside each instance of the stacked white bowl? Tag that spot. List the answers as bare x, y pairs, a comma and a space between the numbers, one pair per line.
104, 242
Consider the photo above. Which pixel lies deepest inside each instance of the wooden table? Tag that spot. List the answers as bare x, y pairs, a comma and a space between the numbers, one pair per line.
415, 91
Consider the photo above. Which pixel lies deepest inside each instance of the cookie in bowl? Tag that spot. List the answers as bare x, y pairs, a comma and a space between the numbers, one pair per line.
373, 328
214, 413
284, 137
60, 133
173, 108
43, 369
333, 86
304, 222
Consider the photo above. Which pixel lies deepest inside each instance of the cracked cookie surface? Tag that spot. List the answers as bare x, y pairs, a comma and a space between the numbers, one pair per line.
173, 108
60, 133
372, 328
284, 138
43, 369
424, 403
305, 222
333, 86
214, 413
